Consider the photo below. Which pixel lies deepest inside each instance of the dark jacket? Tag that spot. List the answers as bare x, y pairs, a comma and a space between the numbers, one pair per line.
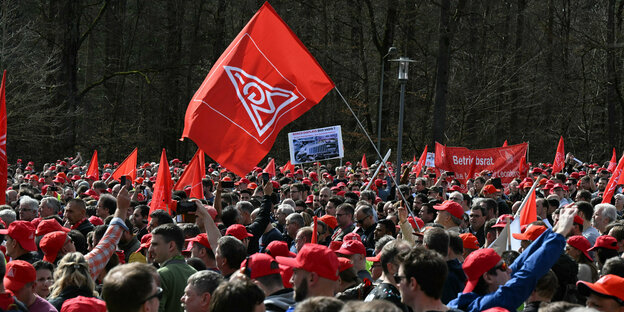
455, 281
259, 225
68, 293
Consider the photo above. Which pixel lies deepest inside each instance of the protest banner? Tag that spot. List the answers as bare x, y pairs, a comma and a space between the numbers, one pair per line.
315, 145
502, 161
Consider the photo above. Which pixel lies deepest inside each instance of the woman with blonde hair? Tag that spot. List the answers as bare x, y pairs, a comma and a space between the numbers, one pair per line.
72, 279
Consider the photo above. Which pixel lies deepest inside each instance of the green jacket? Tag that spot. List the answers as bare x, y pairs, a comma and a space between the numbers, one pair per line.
173, 275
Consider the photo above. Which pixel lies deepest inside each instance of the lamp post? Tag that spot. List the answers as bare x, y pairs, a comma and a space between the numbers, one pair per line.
403, 70
383, 63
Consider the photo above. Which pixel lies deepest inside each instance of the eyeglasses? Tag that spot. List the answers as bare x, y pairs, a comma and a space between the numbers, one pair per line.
158, 294
398, 278
362, 220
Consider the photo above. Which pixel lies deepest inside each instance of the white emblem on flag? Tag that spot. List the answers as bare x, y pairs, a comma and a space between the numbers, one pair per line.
262, 101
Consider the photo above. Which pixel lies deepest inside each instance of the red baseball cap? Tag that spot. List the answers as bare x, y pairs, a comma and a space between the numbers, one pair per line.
344, 264
23, 232
352, 247
414, 221
329, 220
279, 248
259, 265
49, 225
309, 199
501, 222
578, 220
335, 245
451, 207
84, 304
352, 236
581, 243
489, 189
476, 264
239, 231
532, 233
146, 241
51, 244
18, 274
470, 241
608, 285
314, 258
605, 241
201, 239
95, 220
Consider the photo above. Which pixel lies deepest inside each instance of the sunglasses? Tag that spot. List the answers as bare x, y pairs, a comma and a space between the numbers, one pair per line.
362, 220
158, 294
398, 278
503, 266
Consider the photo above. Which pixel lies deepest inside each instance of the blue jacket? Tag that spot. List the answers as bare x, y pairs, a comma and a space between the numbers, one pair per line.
527, 269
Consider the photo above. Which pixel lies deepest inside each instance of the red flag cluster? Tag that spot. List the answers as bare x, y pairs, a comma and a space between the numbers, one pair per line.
193, 175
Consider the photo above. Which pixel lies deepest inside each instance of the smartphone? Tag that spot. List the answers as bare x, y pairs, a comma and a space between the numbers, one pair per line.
227, 184
122, 181
432, 175
265, 177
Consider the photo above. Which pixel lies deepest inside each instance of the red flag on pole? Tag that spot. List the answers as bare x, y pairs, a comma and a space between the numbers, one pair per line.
528, 212
559, 161
270, 168
612, 162
363, 163
616, 178
3, 139
523, 168
161, 198
505, 143
192, 176
421, 162
314, 230
93, 166
264, 80
127, 167
288, 167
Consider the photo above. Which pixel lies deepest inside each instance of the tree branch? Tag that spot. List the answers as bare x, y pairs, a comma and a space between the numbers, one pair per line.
95, 21
106, 78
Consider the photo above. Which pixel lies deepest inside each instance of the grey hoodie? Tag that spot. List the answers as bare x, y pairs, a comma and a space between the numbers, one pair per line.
280, 300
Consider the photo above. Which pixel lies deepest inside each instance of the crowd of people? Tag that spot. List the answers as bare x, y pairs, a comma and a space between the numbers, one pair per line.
309, 238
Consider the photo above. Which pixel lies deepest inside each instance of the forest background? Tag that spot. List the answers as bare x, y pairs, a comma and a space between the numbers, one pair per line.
114, 75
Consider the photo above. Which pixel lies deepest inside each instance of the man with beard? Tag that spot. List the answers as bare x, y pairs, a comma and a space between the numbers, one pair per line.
315, 272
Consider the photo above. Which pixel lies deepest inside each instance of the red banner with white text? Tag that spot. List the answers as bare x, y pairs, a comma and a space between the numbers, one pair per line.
502, 161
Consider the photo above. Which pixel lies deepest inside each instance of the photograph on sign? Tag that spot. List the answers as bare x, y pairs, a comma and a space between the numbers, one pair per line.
315, 145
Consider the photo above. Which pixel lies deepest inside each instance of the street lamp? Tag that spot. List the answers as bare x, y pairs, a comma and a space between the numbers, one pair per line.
383, 63
403, 71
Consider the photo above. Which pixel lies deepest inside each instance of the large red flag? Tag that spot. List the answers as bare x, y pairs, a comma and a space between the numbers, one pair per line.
528, 212
559, 161
421, 162
616, 178
93, 166
161, 198
3, 137
127, 167
264, 80
270, 168
191, 173
363, 163
612, 162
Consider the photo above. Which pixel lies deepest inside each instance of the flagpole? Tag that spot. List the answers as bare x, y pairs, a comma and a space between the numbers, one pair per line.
409, 210
377, 170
